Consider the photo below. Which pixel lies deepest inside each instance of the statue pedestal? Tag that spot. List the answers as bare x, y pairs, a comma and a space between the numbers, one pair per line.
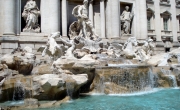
125, 37
30, 34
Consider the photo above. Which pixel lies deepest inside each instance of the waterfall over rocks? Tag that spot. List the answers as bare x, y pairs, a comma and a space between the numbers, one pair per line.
19, 91
123, 79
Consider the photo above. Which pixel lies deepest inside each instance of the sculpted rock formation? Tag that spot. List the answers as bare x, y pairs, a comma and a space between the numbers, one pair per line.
19, 60
30, 14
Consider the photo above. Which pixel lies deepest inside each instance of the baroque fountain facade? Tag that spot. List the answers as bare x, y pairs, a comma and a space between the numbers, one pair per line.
83, 63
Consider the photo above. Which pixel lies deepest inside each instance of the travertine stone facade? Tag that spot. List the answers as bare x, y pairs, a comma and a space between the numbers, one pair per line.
158, 19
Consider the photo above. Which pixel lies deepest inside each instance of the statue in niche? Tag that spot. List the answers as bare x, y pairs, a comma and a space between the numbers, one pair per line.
126, 18
177, 2
30, 14
83, 27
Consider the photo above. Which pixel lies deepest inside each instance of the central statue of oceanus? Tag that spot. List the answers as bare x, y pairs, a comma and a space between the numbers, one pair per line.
83, 27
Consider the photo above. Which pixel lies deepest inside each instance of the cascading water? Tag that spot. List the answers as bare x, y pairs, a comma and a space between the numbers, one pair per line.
172, 77
19, 91
120, 80
70, 88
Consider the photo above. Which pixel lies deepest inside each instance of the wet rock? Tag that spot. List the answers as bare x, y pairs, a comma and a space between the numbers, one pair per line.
31, 102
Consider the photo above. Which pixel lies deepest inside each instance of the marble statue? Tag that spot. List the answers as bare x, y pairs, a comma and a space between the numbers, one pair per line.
83, 27
52, 48
148, 46
126, 18
146, 50
129, 48
30, 14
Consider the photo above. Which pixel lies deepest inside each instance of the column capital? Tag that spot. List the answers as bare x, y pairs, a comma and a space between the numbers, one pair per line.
101, 0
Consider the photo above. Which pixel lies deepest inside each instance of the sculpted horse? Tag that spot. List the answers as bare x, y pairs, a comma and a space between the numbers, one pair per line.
52, 49
129, 48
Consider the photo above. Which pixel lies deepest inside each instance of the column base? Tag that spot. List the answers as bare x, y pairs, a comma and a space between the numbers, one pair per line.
9, 33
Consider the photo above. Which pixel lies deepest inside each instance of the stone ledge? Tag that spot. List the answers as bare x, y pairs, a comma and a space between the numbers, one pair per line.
150, 2
8, 39
165, 4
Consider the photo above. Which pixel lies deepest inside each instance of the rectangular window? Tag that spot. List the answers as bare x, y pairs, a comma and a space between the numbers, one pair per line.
165, 20
149, 23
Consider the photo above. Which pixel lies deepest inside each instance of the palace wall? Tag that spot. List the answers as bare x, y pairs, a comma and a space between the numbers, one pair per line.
56, 15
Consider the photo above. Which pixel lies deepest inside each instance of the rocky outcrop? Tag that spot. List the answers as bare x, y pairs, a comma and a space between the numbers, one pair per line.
42, 87
19, 60
86, 65
42, 69
159, 60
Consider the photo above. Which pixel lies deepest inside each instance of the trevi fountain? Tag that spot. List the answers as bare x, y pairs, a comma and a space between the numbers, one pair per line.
84, 72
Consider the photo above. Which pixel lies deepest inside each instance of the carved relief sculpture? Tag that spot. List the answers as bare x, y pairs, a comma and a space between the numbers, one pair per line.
126, 18
30, 14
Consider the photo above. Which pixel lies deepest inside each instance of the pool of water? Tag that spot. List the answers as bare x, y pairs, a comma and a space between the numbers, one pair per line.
158, 99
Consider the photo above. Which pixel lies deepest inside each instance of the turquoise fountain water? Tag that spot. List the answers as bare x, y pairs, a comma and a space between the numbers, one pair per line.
158, 99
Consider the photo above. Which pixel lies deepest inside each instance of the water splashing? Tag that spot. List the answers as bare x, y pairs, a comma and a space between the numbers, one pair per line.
124, 80
19, 91
70, 88
172, 77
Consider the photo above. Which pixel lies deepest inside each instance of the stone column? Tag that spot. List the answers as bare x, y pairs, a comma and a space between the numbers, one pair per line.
158, 23
64, 17
174, 22
115, 19
50, 16
18, 16
9, 17
91, 11
143, 19
108, 18
102, 15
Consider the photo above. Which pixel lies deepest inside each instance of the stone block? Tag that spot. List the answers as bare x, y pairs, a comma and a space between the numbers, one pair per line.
6, 51
9, 45
26, 44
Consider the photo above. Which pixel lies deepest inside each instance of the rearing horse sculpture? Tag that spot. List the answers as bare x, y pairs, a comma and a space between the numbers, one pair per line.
129, 48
